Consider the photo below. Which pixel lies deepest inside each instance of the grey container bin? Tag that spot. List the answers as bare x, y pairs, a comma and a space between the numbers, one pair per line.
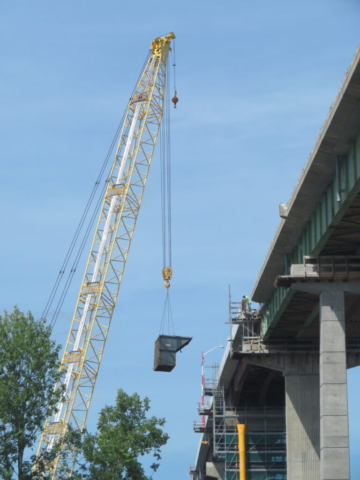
166, 347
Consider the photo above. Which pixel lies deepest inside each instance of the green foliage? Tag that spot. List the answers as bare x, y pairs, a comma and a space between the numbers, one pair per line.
124, 433
63, 450
29, 368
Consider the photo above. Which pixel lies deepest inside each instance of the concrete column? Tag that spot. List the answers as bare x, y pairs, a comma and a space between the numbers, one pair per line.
302, 410
302, 426
334, 431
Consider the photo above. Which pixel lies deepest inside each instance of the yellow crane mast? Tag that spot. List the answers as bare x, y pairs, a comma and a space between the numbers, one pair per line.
110, 247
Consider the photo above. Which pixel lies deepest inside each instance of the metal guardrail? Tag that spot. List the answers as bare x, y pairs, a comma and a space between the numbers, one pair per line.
192, 472
255, 345
200, 427
205, 409
324, 267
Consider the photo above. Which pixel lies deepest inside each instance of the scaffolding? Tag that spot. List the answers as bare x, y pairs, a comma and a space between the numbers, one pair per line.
249, 338
249, 321
265, 439
240, 311
206, 409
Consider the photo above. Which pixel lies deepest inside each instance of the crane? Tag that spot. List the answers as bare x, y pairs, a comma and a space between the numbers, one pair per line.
109, 251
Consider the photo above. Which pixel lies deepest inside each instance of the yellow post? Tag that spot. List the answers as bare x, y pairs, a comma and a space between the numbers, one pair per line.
242, 461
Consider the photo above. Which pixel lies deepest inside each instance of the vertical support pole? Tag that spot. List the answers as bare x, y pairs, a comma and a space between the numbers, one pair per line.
334, 430
242, 453
202, 387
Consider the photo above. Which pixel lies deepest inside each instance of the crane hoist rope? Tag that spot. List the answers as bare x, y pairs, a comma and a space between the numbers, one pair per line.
109, 251
165, 165
175, 98
79, 237
167, 323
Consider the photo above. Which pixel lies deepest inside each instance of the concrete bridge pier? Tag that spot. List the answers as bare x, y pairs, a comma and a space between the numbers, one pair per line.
302, 410
302, 420
334, 429
316, 390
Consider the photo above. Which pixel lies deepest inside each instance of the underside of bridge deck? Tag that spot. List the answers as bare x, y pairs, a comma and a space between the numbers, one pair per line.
300, 317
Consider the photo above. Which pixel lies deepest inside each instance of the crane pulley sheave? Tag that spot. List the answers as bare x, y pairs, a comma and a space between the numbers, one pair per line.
109, 251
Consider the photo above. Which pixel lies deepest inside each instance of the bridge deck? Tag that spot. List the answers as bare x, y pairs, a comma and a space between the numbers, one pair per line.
322, 216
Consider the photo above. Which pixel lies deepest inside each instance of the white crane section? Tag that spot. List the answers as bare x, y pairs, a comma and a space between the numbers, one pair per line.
104, 270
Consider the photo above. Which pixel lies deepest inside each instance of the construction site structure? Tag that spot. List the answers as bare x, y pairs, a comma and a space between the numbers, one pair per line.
263, 452
104, 270
241, 440
294, 353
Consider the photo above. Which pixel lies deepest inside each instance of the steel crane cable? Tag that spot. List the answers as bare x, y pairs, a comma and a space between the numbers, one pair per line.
174, 65
77, 258
165, 169
167, 105
167, 323
88, 230
80, 227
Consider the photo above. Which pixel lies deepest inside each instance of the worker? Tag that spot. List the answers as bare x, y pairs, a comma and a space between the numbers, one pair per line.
245, 303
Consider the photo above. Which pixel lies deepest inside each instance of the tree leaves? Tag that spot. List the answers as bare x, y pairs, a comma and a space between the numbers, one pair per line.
124, 434
29, 368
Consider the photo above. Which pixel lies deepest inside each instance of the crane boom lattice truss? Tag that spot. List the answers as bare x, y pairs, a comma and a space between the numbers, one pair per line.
105, 266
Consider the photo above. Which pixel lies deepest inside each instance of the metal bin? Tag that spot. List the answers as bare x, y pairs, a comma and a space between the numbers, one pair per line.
166, 347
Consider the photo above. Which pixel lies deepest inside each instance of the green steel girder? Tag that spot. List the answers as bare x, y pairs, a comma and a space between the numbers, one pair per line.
336, 199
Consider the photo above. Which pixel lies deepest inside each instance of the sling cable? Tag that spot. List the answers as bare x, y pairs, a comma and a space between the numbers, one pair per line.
167, 344
121, 201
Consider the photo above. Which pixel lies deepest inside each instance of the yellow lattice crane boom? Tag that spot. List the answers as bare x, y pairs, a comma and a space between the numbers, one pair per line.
110, 247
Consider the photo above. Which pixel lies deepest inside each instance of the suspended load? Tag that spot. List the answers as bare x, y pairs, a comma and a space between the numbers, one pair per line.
166, 347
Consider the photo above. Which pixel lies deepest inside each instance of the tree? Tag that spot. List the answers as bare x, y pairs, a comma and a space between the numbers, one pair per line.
29, 368
124, 433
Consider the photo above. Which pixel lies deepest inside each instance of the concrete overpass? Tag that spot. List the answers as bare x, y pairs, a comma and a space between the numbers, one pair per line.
294, 354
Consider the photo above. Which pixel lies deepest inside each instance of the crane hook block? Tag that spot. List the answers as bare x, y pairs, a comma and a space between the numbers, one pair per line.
167, 273
175, 99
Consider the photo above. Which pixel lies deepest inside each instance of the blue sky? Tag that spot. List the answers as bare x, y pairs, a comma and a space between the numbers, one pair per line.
255, 81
